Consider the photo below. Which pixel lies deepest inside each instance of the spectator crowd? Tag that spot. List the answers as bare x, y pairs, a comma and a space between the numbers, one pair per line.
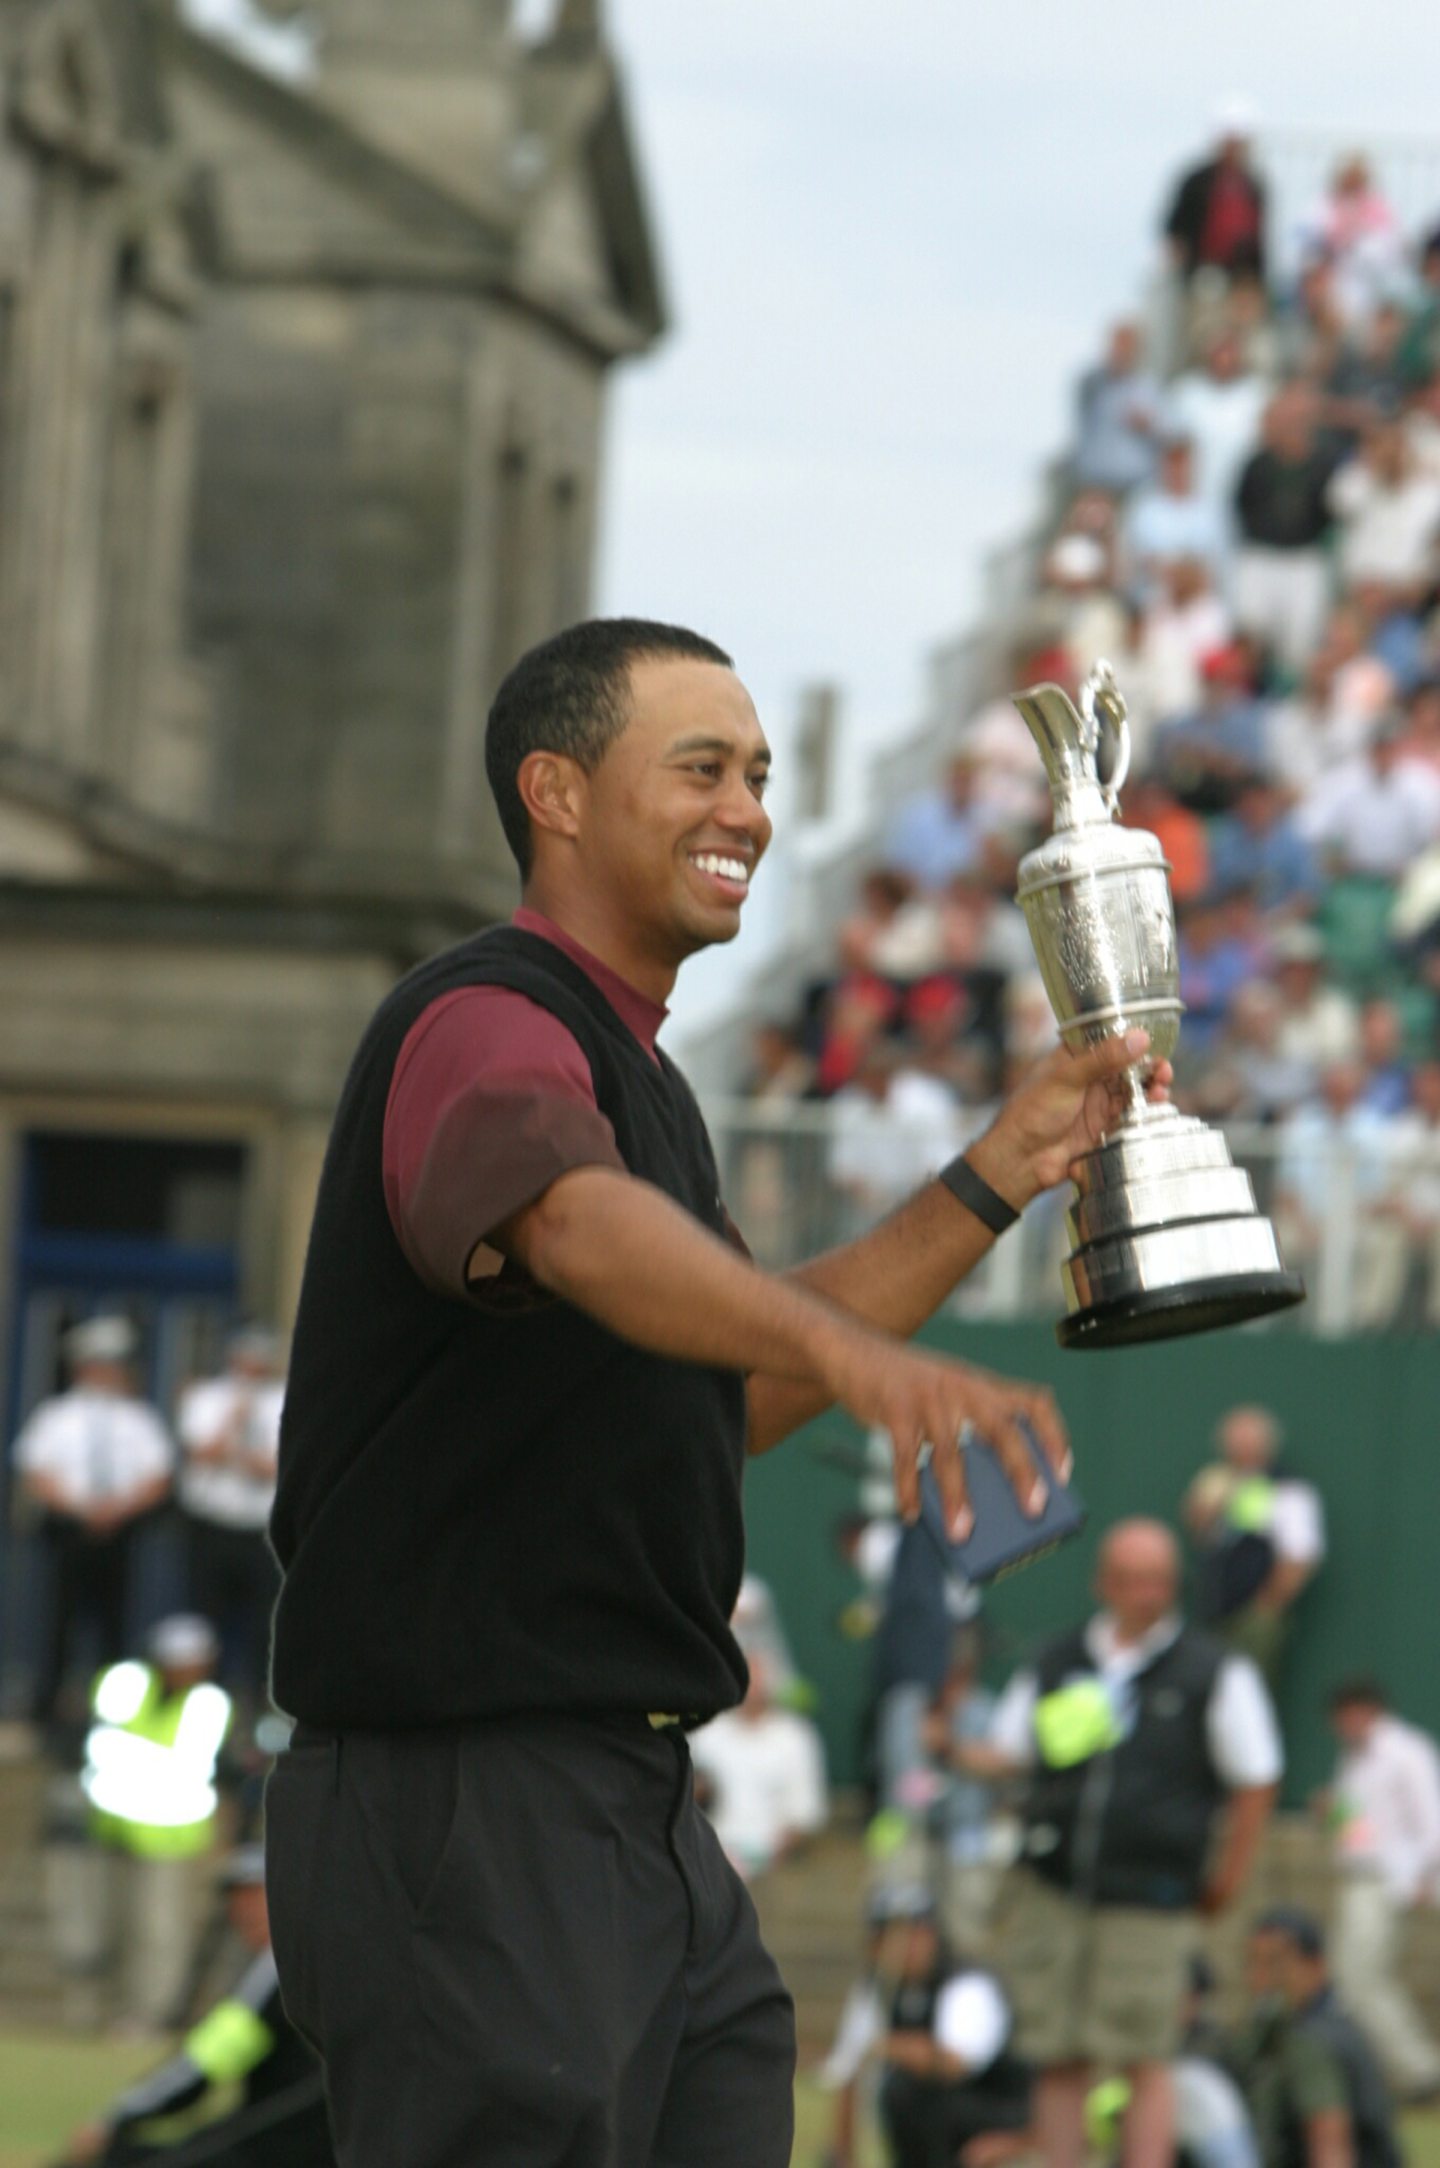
1251, 536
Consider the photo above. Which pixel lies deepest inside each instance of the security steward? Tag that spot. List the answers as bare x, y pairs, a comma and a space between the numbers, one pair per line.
1142, 1737
528, 1363
247, 2041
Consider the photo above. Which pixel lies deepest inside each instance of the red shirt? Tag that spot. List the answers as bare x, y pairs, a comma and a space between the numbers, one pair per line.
491, 1101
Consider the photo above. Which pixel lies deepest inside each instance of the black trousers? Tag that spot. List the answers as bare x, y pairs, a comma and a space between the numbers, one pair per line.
518, 1944
91, 1582
927, 2121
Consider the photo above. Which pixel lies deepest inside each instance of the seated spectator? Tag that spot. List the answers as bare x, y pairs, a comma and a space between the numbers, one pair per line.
1421, 738
953, 1038
1382, 1049
950, 2075
1076, 605
1257, 846
1388, 514
1215, 961
1204, 757
1422, 428
1171, 519
1218, 407
1344, 691
1332, 1146
937, 834
1216, 219
894, 1128
763, 1777
1376, 811
1363, 386
1418, 358
893, 933
1310, 331
855, 1014
1311, 2077
1185, 621
1318, 1023
1146, 803
1253, 1080
1355, 229
1282, 577
1118, 412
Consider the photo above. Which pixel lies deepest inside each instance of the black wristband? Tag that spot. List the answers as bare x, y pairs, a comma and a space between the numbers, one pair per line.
975, 1193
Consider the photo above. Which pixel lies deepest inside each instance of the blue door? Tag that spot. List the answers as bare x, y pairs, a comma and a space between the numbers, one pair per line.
145, 1225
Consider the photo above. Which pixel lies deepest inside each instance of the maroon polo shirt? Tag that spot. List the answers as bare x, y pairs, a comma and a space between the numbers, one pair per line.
490, 1102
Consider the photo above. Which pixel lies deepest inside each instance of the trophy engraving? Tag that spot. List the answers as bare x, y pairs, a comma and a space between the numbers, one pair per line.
1167, 1238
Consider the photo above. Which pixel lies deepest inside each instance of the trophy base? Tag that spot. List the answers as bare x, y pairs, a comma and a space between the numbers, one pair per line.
1168, 1238
1169, 1313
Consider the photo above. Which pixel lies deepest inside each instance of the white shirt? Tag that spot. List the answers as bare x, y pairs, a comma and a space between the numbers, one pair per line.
885, 1149
225, 1491
95, 1446
972, 2020
768, 1774
1375, 823
1240, 1727
1389, 1794
1223, 418
1297, 1523
1388, 530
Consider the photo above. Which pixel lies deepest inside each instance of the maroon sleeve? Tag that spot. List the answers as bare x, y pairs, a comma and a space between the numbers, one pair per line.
490, 1102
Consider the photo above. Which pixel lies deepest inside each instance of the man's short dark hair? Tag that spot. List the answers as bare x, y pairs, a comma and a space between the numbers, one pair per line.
569, 696
1360, 1692
1299, 1928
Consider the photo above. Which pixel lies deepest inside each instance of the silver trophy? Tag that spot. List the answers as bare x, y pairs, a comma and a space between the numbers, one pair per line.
1167, 1237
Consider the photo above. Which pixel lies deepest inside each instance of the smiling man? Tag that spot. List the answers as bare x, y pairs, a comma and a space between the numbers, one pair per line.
530, 1358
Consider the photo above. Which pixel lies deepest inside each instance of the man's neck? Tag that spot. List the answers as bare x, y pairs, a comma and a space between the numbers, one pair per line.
609, 944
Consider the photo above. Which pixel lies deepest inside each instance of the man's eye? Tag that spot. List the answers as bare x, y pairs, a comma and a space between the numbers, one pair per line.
759, 784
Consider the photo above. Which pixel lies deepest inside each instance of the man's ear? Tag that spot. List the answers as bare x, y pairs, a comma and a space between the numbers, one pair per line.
551, 788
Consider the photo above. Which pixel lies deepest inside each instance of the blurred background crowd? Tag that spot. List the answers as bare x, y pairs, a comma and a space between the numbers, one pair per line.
1245, 525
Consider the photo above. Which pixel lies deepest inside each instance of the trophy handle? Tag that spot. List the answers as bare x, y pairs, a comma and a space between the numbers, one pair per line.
1102, 704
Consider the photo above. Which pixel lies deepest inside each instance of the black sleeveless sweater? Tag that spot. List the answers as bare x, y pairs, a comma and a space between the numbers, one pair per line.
480, 1510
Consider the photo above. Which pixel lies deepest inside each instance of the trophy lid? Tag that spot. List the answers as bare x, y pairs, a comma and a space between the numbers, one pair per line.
1069, 741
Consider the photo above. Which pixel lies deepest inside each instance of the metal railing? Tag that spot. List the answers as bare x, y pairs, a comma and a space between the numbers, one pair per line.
799, 1178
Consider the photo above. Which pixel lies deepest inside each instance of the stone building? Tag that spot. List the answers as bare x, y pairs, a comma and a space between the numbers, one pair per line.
302, 381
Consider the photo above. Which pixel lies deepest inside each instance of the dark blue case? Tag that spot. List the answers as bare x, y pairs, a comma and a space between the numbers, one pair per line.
1003, 1537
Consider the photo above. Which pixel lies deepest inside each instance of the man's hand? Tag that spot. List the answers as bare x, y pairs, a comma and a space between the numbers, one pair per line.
1066, 1106
922, 1399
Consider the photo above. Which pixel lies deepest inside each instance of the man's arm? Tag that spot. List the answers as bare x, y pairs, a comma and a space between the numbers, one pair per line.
898, 1274
1246, 1815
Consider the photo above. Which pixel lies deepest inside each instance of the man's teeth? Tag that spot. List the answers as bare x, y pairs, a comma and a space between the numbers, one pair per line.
728, 869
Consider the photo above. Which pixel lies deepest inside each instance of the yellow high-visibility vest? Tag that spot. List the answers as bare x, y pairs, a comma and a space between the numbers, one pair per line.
150, 1761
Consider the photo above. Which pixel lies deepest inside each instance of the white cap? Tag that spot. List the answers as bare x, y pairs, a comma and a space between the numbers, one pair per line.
1236, 117
1076, 557
181, 1640
101, 1340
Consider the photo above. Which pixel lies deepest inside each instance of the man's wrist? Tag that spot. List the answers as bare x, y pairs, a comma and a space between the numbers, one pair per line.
979, 1197
1007, 1171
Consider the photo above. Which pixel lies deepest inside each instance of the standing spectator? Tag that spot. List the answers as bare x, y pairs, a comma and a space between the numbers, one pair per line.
229, 1432
1216, 219
937, 834
1261, 1534
1172, 519
1333, 1148
762, 1771
1142, 1736
1118, 414
1218, 407
1282, 577
924, 1604
1376, 812
958, 1735
1355, 229
1389, 515
1386, 1810
95, 1460
1184, 622
950, 2077
1315, 2088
